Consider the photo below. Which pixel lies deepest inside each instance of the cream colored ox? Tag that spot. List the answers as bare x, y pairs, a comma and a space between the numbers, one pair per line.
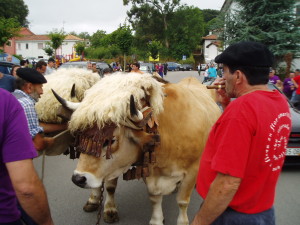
184, 113
62, 81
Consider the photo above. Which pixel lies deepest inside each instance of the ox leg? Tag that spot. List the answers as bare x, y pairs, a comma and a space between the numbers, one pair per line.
157, 217
93, 201
110, 214
183, 198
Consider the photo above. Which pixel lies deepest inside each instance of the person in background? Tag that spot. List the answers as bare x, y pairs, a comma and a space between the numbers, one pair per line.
9, 58
199, 68
245, 150
18, 178
296, 95
165, 69
94, 68
136, 68
107, 72
205, 74
288, 85
41, 67
89, 65
7, 82
161, 70
14, 69
50, 67
212, 71
23, 63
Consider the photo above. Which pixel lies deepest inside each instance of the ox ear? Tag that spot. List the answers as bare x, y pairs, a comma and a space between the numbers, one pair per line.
69, 105
73, 93
135, 114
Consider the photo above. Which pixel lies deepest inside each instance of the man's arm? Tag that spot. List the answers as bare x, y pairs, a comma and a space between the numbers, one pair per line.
220, 194
30, 191
52, 127
40, 142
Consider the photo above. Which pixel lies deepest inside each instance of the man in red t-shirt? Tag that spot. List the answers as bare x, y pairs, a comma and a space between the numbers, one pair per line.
296, 97
245, 151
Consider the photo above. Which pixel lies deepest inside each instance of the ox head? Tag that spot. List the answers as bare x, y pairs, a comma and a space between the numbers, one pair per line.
109, 126
109, 151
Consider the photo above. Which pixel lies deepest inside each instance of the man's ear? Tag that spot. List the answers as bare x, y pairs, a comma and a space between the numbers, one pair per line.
28, 88
239, 76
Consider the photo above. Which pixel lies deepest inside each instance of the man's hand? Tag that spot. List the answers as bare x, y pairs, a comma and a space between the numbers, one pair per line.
222, 97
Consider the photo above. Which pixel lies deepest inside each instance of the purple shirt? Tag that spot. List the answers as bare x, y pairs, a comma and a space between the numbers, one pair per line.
15, 144
287, 84
274, 79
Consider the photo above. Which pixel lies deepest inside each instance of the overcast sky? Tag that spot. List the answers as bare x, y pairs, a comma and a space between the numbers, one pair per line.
87, 15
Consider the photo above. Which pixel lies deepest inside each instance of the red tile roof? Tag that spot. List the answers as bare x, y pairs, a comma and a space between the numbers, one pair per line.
210, 37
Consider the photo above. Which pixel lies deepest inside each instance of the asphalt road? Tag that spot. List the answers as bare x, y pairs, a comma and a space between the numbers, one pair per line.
66, 200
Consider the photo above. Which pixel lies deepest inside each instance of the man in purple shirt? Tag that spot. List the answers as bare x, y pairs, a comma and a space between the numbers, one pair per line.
18, 178
273, 78
288, 85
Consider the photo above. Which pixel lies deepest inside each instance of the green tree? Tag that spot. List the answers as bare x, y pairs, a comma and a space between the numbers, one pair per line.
271, 22
123, 39
80, 47
97, 38
8, 28
84, 35
209, 14
154, 47
14, 9
163, 8
187, 28
49, 51
57, 38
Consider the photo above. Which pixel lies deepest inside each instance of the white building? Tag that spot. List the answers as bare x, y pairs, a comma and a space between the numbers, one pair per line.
210, 48
33, 46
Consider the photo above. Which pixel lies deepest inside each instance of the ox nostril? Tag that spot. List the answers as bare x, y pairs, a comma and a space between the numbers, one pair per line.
79, 180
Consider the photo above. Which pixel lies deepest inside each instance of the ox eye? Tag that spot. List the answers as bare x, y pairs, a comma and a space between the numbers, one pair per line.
107, 142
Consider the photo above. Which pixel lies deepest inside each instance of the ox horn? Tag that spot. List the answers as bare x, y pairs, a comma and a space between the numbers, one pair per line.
135, 114
70, 105
73, 92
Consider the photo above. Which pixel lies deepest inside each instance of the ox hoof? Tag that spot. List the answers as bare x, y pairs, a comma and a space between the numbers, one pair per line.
90, 207
110, 217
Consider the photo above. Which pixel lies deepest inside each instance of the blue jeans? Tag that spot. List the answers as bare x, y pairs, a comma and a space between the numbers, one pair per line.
231, 217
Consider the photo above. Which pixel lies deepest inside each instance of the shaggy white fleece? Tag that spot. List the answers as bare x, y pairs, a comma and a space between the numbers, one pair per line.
109, 99
61, 82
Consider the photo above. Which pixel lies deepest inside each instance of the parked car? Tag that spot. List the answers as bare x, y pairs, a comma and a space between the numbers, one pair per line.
202, 67
5, 67
145, 69
173, 66
101, 66
187, 67
78, 64
150, 65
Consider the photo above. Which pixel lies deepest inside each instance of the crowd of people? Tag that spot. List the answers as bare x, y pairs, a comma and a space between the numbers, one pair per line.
237, 175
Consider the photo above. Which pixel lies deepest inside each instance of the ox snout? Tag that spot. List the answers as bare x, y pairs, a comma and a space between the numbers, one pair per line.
79, 180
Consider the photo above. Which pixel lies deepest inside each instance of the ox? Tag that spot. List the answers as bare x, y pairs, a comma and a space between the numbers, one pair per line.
115, 128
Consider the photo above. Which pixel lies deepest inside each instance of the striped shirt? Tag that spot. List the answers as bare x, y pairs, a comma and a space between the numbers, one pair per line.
28, 103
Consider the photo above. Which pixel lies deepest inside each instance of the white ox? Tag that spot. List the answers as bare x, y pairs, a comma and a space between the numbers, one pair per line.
62, 81
184, 114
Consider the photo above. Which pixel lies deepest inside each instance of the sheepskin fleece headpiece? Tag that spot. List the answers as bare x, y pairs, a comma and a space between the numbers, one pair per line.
61, 82
109, 100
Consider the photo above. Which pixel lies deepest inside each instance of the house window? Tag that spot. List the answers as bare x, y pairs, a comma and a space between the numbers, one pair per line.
19, 46
40, 45
26, 45
8, 43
